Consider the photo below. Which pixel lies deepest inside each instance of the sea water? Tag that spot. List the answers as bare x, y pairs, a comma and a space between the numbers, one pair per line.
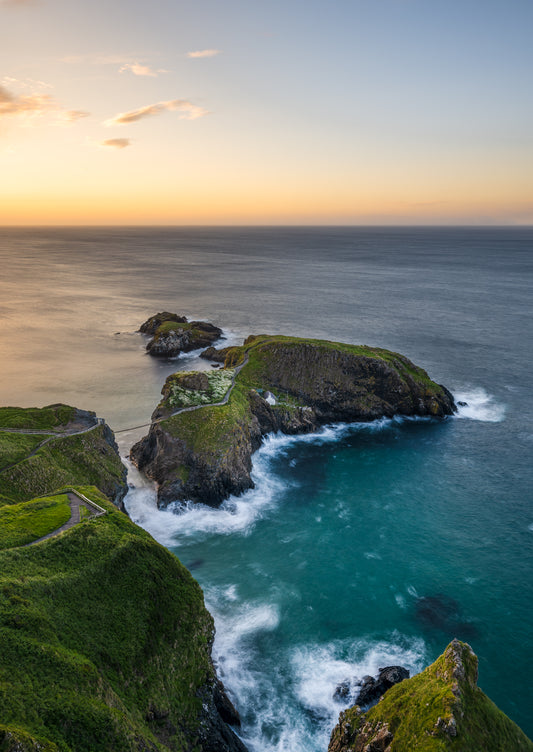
362, 545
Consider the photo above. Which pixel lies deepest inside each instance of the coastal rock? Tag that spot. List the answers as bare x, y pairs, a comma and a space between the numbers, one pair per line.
440, 709
152, 324
172, 334
218, 356
372, 689
204, 454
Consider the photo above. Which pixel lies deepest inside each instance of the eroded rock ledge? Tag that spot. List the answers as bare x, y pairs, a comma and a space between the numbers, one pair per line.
284, 384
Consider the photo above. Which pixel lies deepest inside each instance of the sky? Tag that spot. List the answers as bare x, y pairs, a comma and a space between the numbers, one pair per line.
211, 112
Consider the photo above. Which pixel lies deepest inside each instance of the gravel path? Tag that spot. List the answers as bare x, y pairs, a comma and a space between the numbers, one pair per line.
76, 504
50, 437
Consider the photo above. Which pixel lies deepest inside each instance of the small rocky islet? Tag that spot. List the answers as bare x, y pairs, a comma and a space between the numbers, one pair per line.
171, 334
106, 641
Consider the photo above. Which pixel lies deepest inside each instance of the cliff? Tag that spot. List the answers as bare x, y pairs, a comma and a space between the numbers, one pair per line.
276, 384
440, 709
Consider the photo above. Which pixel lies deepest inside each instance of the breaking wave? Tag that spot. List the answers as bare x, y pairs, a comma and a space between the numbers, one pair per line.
480, 405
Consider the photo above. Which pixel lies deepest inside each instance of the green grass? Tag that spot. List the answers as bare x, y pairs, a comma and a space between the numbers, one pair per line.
16, 446
85, 458
171, 326
213, 430
412, 708
262, 348
99, 627
23, 523
40, 418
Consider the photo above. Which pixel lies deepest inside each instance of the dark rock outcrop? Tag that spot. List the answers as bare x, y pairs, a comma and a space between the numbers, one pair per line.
372, 689
172, 334
217, 356
152, 324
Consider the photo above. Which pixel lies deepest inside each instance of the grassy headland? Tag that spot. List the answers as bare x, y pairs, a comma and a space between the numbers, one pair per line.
442, 709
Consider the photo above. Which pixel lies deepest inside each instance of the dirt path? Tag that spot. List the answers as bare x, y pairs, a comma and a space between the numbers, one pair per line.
50, 437
76, 504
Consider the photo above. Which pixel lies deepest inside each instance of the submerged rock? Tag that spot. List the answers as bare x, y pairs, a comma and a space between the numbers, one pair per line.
440, 611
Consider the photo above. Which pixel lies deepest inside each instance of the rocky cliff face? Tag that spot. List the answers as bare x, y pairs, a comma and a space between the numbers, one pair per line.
440, 709
205, 454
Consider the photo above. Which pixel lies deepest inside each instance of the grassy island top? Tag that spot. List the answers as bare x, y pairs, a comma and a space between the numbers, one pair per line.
262, 348
266, 365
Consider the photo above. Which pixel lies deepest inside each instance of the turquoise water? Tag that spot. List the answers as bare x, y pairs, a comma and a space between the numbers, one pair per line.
320, 573
361, 546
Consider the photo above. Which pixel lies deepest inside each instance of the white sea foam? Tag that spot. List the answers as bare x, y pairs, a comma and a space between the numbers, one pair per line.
287, 701
183, 522
480, 405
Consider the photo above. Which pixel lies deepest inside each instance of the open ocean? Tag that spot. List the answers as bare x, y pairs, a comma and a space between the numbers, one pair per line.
362, 545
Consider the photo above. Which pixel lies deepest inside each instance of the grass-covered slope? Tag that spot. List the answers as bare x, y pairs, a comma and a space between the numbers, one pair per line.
26, 522
80, 450
205, 454
440, 710
50, 418
105, 642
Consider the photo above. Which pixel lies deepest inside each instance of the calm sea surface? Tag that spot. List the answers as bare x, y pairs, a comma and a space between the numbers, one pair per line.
360, 546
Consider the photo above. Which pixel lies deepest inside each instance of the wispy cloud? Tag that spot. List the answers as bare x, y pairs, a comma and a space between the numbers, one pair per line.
203, 53
71, 116
116, 143
36, 105
25, 83
126, 63
188, 110
141, 70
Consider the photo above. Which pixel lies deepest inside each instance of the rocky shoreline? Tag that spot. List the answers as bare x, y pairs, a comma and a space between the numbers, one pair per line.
286, 384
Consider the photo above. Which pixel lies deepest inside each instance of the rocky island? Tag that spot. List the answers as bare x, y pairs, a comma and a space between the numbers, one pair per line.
271, 383
106, 641
171, 334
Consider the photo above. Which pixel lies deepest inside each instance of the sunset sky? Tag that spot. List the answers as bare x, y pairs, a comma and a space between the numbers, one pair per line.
240, 112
